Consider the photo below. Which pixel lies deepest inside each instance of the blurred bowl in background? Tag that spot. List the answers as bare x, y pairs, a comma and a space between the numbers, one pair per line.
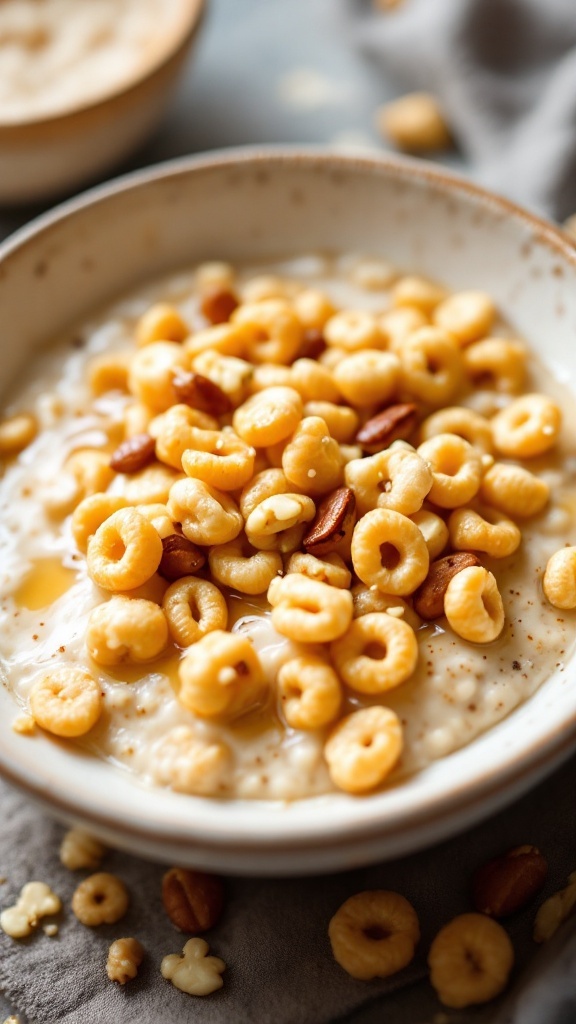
46, 155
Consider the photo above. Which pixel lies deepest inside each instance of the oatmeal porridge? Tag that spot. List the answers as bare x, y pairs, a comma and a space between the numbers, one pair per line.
273, 531
60, 54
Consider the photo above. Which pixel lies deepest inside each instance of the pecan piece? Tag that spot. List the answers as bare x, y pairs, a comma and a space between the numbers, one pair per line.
193, 900
333, 521
133, 454
429, 597
313, 344
201, 393
392, 424
218, 304
180, 557
507, 883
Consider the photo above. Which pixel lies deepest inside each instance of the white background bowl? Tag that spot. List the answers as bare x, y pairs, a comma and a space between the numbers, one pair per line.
250, 205
49, 156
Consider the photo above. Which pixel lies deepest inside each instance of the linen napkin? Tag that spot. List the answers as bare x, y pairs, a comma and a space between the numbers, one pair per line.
505, 73
273, 934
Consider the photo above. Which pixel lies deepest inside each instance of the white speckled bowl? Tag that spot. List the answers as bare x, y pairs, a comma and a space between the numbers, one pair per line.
257, 204
50, 156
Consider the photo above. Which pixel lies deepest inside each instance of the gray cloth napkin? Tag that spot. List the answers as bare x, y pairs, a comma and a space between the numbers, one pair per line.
273, 935
505, 72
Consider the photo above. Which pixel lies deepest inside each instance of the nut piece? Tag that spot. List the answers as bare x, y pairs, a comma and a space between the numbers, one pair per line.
133, 454
218, 304
507, 883
470, 960
80, 850
429, 598
201, 393
194, 972
333, 522
193, 900
124, 959
100, 899
313, 344
180, 557
34, 902
395, 423
554, 911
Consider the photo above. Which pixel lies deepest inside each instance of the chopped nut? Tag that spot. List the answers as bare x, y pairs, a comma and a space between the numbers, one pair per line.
414, 123
397, 422
218, 304
194, 972
554, 911
201, 393
124, 959
180, 557
133, 454
51, 930
429, 597
507, 883
193, 900
313, 344
35, 901
334, 520
79, 850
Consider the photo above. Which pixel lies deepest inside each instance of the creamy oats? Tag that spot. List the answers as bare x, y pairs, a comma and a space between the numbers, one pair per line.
457, 689
59, 54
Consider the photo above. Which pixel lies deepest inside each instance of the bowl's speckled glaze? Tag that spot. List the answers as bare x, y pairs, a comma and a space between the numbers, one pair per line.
264, 204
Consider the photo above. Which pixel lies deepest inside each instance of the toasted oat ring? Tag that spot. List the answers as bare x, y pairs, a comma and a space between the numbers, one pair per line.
473, 605
193, 607
470, 960
374, 934
395, 479
456, 469
308, 611
363, 748
486, 529
382, 536
377, 653
100, 899
219, 458
124, 552
66, 701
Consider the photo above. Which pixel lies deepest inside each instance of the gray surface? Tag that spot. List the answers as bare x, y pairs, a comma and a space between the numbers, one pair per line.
511, 96
274, 934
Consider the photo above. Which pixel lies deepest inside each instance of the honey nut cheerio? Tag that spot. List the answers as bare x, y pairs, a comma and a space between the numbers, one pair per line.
374, 934
217, 524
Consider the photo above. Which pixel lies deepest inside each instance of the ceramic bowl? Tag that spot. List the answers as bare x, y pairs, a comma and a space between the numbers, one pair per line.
48, 157
254, 205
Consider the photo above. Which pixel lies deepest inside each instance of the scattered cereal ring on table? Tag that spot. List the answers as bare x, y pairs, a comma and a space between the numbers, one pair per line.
374, 934
470, 960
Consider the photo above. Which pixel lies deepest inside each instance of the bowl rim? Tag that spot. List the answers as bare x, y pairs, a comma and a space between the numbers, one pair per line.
190, 23
513, 771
